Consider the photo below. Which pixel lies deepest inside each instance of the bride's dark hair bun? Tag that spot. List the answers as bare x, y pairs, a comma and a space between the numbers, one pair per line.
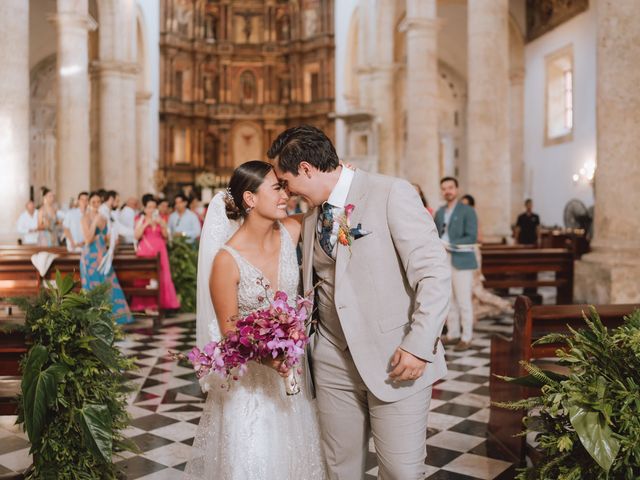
246, 178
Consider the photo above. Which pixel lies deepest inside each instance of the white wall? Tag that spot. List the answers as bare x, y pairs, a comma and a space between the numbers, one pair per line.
151, 13
549, 170
343, 12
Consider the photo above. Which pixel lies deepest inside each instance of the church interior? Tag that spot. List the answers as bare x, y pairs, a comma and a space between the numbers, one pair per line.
146, 107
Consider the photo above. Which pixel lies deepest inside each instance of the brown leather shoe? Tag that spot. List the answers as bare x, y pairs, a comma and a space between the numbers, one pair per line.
450, 341
462, 346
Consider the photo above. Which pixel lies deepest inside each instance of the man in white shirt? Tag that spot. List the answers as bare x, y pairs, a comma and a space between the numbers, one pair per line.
183, 222
126, 220
73, 224
27, 225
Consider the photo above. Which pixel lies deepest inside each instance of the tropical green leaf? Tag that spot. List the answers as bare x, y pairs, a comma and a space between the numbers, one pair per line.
95, 422
39, 389
74, 300
534, 381
126, 444
102, 331
595, 435
66, 285
551, 338
104, 352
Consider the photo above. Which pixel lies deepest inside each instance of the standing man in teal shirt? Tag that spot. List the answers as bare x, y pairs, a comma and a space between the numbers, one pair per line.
458, 228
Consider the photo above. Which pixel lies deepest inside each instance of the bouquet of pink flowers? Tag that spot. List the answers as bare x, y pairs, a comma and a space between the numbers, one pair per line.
276, 331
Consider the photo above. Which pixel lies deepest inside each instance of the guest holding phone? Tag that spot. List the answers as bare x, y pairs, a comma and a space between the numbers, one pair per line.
151, 233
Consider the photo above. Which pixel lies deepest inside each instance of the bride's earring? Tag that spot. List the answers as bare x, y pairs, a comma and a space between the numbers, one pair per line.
247, 210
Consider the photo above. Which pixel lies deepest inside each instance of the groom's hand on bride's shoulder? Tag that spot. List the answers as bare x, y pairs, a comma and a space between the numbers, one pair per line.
406, 366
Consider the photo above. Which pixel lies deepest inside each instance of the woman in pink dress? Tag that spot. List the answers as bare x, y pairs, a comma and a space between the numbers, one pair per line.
151, 233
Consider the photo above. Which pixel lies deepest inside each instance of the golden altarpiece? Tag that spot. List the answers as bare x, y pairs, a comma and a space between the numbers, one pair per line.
233, 74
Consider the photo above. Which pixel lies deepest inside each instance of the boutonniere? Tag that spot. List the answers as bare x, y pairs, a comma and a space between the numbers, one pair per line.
347, 234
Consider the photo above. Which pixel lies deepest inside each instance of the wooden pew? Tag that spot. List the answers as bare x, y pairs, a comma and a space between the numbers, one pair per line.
519, 267
504, 246
18, 277
531, 322
13, 345
572, 239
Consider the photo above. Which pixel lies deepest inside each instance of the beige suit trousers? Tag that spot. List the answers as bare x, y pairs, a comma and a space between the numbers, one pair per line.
349, 413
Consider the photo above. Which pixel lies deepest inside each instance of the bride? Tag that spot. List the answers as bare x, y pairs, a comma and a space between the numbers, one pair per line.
253, 431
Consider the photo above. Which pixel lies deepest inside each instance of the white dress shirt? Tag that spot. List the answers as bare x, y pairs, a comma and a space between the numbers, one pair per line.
126, 224
187, 224
338, 197
73, 221
25, 223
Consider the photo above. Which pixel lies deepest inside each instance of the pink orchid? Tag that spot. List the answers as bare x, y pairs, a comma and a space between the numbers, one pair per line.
276, 331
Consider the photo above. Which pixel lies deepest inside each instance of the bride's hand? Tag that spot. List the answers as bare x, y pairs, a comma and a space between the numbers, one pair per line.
279, 366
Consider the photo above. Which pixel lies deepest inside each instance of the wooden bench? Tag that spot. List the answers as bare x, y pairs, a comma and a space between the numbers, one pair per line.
519, 267
18, 277
13, 345
504, 246
531, 322
574, 240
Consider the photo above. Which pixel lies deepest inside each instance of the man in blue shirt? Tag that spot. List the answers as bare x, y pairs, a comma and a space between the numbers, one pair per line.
183, 222
458, 228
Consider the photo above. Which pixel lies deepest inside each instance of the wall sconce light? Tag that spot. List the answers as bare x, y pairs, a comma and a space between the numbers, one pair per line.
586, 173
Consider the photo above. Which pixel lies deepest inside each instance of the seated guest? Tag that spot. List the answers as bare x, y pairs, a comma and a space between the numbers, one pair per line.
72, 224
485, 303
163, 209
27, 226
48, 225
92, 271
152, 233
528, 225
183, 222
126, 220
196, 207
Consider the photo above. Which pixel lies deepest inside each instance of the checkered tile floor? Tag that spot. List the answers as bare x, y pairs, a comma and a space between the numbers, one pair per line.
167, 405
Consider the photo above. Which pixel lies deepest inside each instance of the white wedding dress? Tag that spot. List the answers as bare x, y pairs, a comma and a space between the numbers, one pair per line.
254, 431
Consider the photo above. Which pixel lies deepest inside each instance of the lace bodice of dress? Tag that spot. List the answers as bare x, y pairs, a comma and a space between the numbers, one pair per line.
250, 289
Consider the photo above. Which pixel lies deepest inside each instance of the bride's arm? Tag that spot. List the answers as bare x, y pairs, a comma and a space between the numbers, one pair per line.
223, 288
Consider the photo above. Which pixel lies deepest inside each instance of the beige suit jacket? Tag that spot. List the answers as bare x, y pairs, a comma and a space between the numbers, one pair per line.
392, 287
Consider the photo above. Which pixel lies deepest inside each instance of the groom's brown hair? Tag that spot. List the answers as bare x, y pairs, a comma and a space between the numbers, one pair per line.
304, 144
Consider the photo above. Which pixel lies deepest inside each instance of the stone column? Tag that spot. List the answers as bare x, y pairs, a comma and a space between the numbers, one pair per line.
14, 114
516, 109
117, 126
423, 145
610, 273
382, 73
488, 115
128, 179
143, 143
73, 23
366, 42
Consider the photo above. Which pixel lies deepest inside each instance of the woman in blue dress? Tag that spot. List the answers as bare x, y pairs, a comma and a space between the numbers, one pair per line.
94, 227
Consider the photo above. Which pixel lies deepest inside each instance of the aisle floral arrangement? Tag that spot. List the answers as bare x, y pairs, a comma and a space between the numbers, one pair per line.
74, 385
587, 423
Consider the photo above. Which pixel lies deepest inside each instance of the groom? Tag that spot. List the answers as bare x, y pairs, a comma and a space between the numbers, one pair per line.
382, 303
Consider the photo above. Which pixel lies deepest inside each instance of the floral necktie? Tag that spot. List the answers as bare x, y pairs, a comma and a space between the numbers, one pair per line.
325, 228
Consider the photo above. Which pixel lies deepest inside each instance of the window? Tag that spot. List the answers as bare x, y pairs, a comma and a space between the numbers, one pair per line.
559, 97
311, 90
178, 85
